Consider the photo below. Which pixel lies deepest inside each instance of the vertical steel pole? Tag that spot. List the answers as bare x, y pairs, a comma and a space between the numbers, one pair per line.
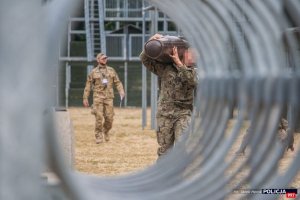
125, 82
101, 25
153, 76
144, 78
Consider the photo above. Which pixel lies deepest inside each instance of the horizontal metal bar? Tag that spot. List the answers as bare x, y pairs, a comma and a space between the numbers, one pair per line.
70, 59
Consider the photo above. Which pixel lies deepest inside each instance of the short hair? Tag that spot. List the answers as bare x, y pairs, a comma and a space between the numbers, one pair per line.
99, 55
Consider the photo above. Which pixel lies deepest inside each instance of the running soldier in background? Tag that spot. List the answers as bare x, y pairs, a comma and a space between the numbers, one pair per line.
102, 79
282, 137
176, 96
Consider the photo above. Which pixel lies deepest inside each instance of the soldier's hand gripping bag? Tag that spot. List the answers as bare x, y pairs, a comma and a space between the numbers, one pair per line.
160, 49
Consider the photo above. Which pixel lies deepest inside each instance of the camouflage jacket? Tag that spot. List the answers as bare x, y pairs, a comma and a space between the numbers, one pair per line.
97, 79
177, 85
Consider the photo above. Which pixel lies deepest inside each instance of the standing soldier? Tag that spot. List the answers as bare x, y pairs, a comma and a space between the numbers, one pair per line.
282, 136
101, 79
175, 103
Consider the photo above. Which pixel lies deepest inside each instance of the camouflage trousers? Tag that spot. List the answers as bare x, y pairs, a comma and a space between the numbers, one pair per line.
104, 113
169, 130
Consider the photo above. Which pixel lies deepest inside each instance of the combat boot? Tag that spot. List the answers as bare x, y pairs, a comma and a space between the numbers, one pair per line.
240, 152
99, 140
106, 137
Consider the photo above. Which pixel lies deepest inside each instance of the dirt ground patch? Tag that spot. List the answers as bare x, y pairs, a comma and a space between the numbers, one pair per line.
131, 148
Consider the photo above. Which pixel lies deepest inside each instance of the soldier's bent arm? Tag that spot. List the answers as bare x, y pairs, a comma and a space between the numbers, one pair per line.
151, 64
87, 88
187, 74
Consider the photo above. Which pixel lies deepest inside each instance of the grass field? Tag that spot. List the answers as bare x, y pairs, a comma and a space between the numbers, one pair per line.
131, 148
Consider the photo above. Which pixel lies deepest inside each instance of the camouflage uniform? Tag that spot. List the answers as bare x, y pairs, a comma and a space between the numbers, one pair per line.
283, 134
103, 95
175, 103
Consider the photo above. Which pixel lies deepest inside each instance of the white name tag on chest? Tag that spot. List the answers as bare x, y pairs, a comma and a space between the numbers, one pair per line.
104, 81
